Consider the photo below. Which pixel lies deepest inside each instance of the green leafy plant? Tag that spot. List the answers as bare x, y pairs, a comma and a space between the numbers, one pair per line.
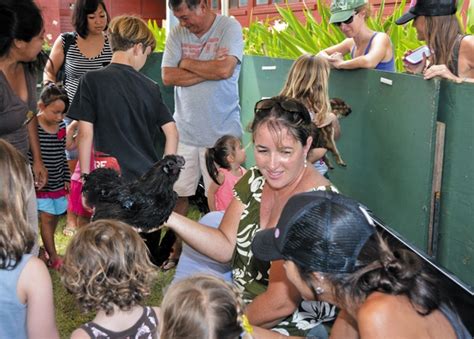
160, 35
287, 37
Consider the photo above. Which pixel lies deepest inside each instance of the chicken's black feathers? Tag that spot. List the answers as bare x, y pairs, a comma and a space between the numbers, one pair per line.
145, 203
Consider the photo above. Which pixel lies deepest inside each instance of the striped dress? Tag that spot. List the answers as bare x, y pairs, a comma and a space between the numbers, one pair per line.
54, 159
76, 64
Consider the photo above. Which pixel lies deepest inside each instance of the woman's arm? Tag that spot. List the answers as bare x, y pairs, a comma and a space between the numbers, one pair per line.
200, 237
40, 172
343, 47
172, 138
35, 288
55, 61
279, 300
465, 64
380, 45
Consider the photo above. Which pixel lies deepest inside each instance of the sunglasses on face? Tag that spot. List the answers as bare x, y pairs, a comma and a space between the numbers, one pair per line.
347, 22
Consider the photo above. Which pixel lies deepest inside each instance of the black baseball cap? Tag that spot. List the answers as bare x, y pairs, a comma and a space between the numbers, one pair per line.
427, 8
321, 231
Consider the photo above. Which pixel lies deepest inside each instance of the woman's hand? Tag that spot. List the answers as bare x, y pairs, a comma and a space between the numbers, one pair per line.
415, 68
441, 71
336, 59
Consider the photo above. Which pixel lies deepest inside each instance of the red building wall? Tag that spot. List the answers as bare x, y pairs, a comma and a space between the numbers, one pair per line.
252, 11
57, 13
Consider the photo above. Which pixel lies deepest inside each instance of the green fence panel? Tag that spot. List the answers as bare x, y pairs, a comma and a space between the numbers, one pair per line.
388, 143
456, 242
152, 69
388, 140
260, 77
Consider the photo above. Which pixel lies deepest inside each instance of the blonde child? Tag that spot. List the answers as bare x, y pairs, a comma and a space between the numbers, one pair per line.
106, 268
224, 164
26, 293
204, 307
51, 199
308, 82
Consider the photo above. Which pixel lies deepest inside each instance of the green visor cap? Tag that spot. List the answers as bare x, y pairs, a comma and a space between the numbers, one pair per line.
341, 10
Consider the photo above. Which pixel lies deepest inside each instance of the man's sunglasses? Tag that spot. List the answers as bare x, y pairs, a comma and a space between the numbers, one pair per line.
347, 22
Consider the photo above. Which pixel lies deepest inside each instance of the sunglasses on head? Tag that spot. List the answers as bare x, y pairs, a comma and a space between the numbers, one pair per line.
346, 22
288, 105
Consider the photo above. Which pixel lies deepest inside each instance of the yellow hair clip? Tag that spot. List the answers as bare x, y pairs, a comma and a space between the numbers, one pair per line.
246, 324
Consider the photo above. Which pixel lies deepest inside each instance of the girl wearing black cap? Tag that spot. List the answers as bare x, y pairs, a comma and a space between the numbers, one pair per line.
333, 253
281, 131
436, 23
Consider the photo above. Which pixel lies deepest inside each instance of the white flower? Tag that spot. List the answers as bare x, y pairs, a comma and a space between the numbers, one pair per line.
279, 25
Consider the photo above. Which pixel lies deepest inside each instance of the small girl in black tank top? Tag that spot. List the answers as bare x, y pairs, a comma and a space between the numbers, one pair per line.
106, 268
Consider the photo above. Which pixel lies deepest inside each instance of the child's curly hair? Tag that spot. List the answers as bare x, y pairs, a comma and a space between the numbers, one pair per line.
107, 264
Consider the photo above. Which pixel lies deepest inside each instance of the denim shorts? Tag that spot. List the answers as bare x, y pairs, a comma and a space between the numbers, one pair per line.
52, 206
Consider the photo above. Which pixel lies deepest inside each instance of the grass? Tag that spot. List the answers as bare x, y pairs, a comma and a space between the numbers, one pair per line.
68, 316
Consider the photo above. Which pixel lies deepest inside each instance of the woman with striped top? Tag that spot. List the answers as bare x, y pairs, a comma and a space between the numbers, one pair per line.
81, 51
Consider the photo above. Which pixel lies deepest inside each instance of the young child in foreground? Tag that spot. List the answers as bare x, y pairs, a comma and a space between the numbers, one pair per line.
224, 164
51, 199
106, 268
207, 307
26, 293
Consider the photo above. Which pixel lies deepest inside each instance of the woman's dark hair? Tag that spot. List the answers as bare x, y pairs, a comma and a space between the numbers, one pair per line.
52, 92
19, 20
224, 146
280, 113
382, 269
82, 8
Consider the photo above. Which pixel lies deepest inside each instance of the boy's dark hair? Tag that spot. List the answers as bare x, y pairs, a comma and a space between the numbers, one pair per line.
82, 8
224, 146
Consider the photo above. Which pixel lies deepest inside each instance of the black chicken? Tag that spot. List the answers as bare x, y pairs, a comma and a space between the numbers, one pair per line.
145, 203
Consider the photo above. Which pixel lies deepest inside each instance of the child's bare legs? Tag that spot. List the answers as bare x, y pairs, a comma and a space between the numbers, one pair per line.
71, 217
48, 226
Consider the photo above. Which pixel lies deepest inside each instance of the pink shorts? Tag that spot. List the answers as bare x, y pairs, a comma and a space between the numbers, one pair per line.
75, 200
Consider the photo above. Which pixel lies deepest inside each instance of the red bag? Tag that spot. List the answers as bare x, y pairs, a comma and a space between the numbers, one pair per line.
103, 160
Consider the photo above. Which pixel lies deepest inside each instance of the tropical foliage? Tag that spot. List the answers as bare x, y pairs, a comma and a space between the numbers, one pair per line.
160, 35
288, 37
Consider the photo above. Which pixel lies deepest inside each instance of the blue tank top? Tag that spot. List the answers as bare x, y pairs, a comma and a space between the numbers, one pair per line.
12, 311
456, 323
388, 66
